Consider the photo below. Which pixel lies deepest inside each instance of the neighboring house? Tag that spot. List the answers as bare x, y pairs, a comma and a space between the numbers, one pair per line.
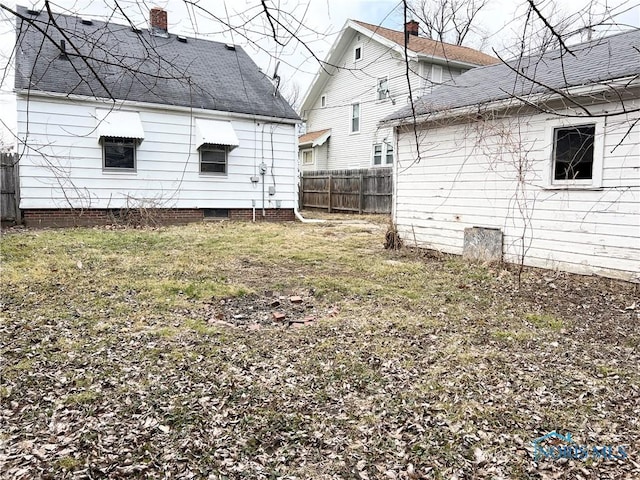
548, 157
113, 118
362, 81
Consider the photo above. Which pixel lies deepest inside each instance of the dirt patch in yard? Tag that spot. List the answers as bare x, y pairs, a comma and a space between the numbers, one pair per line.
271, 309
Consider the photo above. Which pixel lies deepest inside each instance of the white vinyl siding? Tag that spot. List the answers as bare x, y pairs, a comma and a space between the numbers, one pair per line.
66, 169
466, 179
345, 87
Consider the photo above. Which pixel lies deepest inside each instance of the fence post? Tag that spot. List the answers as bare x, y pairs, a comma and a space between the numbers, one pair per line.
329, 206
361, 203
16, 188
301, 192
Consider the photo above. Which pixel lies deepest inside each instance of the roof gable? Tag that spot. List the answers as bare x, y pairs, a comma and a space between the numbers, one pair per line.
419, 47
600, 60
431, 48
117, 63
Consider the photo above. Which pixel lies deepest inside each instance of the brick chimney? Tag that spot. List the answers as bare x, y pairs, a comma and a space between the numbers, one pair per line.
158, 20
411, 28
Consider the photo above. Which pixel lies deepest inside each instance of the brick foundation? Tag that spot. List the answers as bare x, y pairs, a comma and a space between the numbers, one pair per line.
169, 216
271, 215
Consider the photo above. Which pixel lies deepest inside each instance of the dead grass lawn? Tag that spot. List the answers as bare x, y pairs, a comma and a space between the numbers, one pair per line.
152, 354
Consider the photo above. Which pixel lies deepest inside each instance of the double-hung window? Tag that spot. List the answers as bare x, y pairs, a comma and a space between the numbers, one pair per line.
377, 154
213, 159
119, 134
382, 154
355, 118
389, 153
119, 153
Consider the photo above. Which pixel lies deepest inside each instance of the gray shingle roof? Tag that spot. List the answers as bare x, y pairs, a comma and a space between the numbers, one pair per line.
617, 56
141, 67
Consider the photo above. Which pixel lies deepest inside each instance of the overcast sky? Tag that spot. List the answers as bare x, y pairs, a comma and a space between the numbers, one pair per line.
322, 20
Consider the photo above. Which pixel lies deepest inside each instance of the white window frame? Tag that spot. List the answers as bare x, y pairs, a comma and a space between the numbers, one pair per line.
352, 117
387, 146
380, 91
384, 154
313, 156
357, 50
373, 154
208, 147
323, 101
595, 182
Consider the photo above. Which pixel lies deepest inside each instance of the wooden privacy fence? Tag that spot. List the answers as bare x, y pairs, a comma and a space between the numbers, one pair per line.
363, 191
9, 212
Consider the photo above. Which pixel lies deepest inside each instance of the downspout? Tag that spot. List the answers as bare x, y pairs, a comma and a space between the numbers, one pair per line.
305, 220
394, 172
263, 172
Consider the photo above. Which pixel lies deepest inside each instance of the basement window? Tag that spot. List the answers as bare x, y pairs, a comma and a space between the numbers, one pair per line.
119, 153
216, 213
213, 159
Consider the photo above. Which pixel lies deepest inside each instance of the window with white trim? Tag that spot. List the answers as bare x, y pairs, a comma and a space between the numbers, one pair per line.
323, 101
118, 153
382, 154
355, 118
213, 159
573, 153
389, 153
307, 157
383, 88
357, 54
377, 154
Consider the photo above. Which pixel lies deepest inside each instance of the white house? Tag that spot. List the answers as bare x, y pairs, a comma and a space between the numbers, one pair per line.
113, 119
362, 80
541, 155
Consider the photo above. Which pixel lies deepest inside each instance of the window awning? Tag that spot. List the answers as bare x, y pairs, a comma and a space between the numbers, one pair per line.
314, 139
216, 132
117, 123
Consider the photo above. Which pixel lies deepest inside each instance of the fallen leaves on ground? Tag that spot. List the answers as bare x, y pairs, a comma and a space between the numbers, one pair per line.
428, 368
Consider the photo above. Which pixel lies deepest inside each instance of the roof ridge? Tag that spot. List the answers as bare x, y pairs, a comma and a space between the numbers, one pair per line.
421, 38
112, 21
569, 48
